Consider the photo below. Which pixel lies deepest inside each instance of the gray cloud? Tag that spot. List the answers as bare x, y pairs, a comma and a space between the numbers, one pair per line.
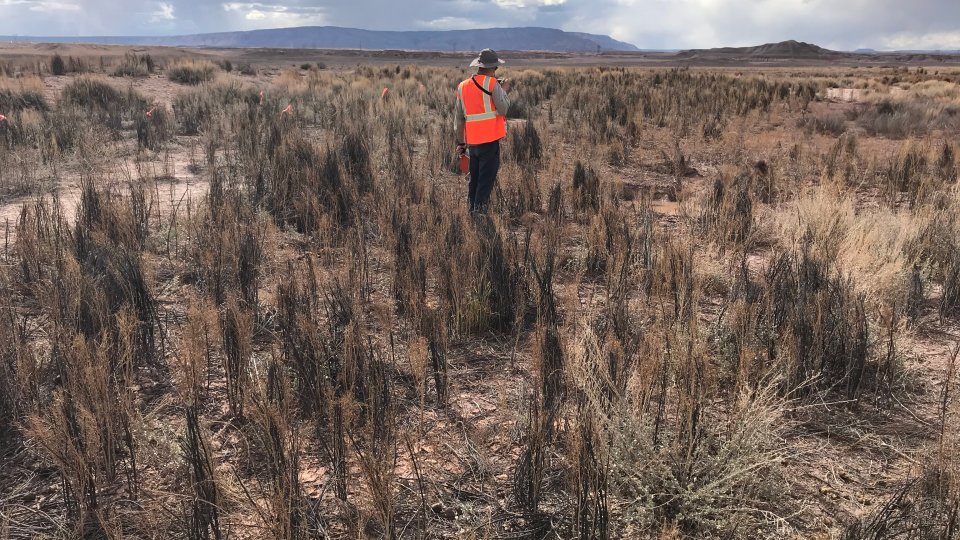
646, 23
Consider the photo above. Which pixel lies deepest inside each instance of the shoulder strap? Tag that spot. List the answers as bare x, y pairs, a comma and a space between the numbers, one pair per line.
482, 89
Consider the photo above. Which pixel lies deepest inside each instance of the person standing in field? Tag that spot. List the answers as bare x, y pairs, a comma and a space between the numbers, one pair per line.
481, 122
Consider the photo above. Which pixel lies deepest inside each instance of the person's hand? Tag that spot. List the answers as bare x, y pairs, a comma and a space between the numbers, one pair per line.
505, 84
461, 149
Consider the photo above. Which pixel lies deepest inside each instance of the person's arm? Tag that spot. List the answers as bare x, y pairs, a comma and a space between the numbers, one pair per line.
500, 100
459, 121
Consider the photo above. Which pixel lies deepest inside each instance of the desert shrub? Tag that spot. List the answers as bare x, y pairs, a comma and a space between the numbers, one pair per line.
489, 293
410, 274
225, 65
91, 93
57, 65
205, 510
307, 185
65, 128
154, 127
907, 174
608, 242
730, 209
334, 368
518, 109
713, 482
247, 69
947, 163
22, 94
191, 72
526, 146
134, 65
278, 437
15, 370
194, 109
902, 119
90, 282
354, 153
809, 325
714, 127
830, 124
84, 431
77, 65
102, 101
236, 324
226, 250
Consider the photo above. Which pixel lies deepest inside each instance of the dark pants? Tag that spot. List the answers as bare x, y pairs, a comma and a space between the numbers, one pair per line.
484, 164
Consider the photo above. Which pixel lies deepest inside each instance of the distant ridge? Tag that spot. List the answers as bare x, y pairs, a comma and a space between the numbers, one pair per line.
333, 37
784, 49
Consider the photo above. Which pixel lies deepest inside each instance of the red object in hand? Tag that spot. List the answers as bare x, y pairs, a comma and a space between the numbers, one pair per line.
464, 163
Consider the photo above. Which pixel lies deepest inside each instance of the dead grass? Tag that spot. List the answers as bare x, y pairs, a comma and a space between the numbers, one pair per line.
672, 286
191, 72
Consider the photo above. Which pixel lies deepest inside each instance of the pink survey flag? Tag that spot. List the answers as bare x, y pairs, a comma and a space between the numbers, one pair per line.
288, 109
3, 118
383, 94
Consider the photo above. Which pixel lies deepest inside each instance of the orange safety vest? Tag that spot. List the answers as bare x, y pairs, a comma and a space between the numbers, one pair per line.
484, 124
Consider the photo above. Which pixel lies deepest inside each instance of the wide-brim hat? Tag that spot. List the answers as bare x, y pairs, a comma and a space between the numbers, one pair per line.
488, 59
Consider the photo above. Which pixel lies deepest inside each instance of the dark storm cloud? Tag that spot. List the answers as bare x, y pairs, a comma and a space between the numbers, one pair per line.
647, 23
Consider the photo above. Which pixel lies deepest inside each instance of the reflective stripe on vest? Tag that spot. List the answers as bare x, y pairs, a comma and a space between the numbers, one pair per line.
483, 123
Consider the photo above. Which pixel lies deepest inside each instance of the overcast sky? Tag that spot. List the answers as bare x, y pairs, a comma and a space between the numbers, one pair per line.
838, 24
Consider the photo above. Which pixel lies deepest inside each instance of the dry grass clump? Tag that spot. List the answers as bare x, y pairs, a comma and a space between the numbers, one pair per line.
207, 497
16, 367
807, 325
832, 124
61, 66
900, 119
494, 298
191, 72
193, 110
871, 244
21, 94
90, 282
102, 101
154, 127
134, 65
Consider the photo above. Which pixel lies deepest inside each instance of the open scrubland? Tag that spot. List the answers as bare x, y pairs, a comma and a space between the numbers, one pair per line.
249, 303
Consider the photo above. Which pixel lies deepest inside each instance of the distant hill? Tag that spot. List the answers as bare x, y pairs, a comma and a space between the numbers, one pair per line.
333, 37
784, 49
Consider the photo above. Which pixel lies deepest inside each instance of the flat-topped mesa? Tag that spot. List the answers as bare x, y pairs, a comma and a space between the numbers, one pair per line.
783, 49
